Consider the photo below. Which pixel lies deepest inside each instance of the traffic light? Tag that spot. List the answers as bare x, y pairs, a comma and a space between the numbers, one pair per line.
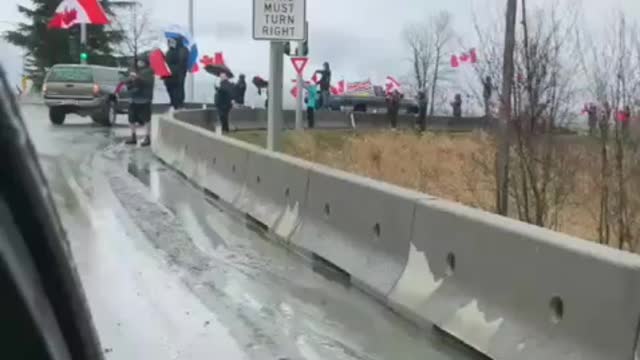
287, 48
84, 57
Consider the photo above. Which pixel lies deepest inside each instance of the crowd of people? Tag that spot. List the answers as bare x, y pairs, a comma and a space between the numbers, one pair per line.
141, 84
599, 118
228, 94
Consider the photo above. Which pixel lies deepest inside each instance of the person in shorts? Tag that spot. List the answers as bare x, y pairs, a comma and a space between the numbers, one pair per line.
141, 84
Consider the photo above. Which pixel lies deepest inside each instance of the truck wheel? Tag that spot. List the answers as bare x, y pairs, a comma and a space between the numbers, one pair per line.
109, 114
112, 112
56, 116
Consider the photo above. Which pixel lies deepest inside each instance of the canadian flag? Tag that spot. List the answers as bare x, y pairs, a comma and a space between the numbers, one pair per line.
468, 57
391, 85
72, 12
340, 89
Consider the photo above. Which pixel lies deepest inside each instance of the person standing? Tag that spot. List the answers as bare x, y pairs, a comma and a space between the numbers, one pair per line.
393, 108
140, 85
422, 110
177, 58
487, 92
456, 106
312, 103
240, 90
592, 113
224, 101
625, 119
325, 85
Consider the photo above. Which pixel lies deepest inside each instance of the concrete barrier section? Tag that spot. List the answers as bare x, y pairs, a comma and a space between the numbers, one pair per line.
211, 161
204, 118
358, 224
516, 291
331, 119
275, 190
371, 121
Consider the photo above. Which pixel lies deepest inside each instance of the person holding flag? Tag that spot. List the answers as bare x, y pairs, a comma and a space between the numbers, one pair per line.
181, 57
177, 58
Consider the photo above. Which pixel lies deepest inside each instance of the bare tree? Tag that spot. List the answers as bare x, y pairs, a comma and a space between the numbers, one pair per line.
416, 38
543, 163
443, 34
134, 21
611, 66
428, 43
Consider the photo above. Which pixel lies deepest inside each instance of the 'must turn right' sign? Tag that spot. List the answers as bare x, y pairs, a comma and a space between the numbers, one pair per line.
279, 20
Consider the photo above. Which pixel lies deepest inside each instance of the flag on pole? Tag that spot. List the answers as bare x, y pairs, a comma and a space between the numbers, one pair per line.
391, 85
72, 12
340, 89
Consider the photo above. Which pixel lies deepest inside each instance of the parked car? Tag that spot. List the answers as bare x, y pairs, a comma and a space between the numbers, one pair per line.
85, 90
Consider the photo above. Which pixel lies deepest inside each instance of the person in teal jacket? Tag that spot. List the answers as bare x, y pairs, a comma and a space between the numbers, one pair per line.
312, 104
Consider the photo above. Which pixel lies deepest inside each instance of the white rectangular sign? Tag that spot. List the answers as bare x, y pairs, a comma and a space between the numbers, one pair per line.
282, 20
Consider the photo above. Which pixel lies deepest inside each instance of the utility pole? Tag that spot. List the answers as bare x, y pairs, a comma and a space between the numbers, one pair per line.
504, 121
191, 83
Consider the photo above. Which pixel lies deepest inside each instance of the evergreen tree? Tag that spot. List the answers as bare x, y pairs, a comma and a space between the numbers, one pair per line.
46, 47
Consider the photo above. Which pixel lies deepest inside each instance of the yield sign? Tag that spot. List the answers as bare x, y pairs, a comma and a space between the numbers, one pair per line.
299, 63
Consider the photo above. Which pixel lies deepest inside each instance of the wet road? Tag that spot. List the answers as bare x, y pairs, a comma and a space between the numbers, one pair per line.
171, 274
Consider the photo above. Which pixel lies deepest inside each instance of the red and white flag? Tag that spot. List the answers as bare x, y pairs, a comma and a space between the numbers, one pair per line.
340, 89
360, 87
467, 57
72, 12
391, 85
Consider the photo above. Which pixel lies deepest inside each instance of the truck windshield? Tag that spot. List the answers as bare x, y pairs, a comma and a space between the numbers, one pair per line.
71, 74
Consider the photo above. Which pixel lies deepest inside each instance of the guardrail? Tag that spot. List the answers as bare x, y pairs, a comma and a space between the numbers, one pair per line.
508, 289
256, 119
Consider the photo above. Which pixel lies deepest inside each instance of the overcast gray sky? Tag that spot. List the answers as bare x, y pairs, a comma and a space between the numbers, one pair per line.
361, 38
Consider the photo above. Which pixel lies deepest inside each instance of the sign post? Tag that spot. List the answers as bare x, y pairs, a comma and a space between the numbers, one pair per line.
277, 21
274, 111
299, 64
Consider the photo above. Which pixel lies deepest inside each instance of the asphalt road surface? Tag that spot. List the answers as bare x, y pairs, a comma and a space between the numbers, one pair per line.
171, 274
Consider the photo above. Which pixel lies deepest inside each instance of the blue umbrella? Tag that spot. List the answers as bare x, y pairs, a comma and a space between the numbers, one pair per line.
180, 32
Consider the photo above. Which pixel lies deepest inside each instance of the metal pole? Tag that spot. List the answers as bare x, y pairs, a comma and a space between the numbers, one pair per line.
191, 83
83, 41
504, 144
274, 127
299, 121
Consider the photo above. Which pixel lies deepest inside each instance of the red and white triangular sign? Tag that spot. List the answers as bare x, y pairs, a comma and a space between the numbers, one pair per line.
299, 63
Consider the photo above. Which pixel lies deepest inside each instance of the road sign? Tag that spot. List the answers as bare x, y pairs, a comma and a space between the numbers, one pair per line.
279, 20
299, 63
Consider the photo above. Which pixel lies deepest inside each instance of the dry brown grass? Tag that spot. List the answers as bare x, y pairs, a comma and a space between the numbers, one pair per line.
457, 167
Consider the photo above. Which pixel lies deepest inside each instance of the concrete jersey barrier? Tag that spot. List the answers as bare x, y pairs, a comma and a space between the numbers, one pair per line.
508, 289
360, 225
